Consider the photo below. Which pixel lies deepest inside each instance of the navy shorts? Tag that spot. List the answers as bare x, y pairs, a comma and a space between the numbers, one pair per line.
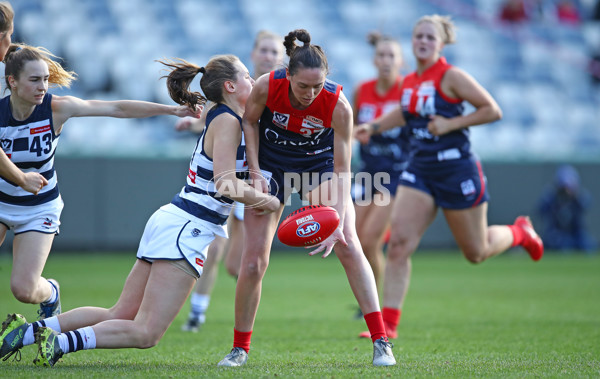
457, 184
296, 175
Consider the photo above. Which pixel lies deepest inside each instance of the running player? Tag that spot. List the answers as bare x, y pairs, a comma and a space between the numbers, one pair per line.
383, 158
173, 247
31, 121
267, 54
443, 171
298, 122
29, 181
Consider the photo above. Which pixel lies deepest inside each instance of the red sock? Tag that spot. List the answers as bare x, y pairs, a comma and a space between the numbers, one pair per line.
375, 325
391, 317
518, 235
242, 339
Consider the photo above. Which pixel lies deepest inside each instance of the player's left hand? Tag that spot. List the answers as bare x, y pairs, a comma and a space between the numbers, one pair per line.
439, 125
185, 111
329, 243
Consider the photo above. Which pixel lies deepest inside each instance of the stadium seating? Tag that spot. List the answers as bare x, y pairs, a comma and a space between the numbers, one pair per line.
536, 71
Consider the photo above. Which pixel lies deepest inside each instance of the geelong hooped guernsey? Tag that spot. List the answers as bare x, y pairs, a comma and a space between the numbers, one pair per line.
422, 97
289, 132
199, 197
30, 144
390, 147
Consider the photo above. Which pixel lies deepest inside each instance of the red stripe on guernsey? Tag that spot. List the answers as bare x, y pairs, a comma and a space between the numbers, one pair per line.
40, 129
199, 262
482, 181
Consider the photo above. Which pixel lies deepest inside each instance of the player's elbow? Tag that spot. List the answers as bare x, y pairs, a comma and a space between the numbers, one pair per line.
495, 112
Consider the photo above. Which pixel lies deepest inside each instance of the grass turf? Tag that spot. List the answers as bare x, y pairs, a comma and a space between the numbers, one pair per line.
508, 317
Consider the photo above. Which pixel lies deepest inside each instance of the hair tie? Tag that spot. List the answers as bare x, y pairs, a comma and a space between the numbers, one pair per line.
202, 70
18, 48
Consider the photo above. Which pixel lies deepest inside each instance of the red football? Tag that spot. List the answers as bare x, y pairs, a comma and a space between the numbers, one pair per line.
308, 226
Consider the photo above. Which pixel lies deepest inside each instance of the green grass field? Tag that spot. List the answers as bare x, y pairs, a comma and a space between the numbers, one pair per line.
508, 318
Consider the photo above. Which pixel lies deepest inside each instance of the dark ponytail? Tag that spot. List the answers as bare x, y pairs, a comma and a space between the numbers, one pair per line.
219, 69
306, 56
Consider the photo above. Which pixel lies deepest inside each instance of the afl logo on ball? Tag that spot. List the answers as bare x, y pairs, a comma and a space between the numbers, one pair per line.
308, 229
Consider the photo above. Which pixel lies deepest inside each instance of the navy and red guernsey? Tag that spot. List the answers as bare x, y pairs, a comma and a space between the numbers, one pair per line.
387, 151
289, 133
422, 98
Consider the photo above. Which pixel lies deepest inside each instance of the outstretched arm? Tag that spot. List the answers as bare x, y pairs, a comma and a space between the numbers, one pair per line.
65, 107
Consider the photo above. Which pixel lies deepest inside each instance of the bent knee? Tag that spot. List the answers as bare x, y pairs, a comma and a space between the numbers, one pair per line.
25, 294
148, 340
474, 255
255, 269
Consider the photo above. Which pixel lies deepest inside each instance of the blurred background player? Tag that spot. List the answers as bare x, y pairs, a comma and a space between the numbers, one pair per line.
385, 153
173, 247
297, 121
267, 55
442, 172
31, 121
562, 208
28, 181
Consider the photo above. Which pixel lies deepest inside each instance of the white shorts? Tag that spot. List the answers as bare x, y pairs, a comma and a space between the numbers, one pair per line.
172, 234
238, 210
43, 218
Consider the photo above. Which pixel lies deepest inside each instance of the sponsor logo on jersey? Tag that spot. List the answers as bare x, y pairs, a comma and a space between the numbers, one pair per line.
281, 119
192, 176
6, 144
200, 262
308, 229
40, 129
314, 120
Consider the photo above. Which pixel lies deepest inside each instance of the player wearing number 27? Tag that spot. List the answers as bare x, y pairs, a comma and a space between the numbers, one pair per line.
442, 171
297, 121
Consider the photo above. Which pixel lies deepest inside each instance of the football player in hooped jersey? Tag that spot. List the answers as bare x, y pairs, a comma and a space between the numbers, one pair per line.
267, 55
385, 154
29, 181
296, 121
31, 121
443, 171
173, 247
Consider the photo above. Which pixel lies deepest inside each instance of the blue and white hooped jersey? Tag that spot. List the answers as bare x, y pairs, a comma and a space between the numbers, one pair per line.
199, 197
30, 144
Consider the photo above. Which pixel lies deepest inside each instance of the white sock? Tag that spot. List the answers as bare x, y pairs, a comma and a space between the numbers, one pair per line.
199, 304
50, 322
75, 340
53, 295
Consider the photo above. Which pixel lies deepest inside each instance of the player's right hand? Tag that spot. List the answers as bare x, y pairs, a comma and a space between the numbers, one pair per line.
33, 182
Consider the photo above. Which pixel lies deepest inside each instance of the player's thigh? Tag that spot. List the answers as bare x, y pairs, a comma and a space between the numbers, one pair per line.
165, 292
259, 231
374, 226
30, 252
133, 291
469, 227
413, 211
